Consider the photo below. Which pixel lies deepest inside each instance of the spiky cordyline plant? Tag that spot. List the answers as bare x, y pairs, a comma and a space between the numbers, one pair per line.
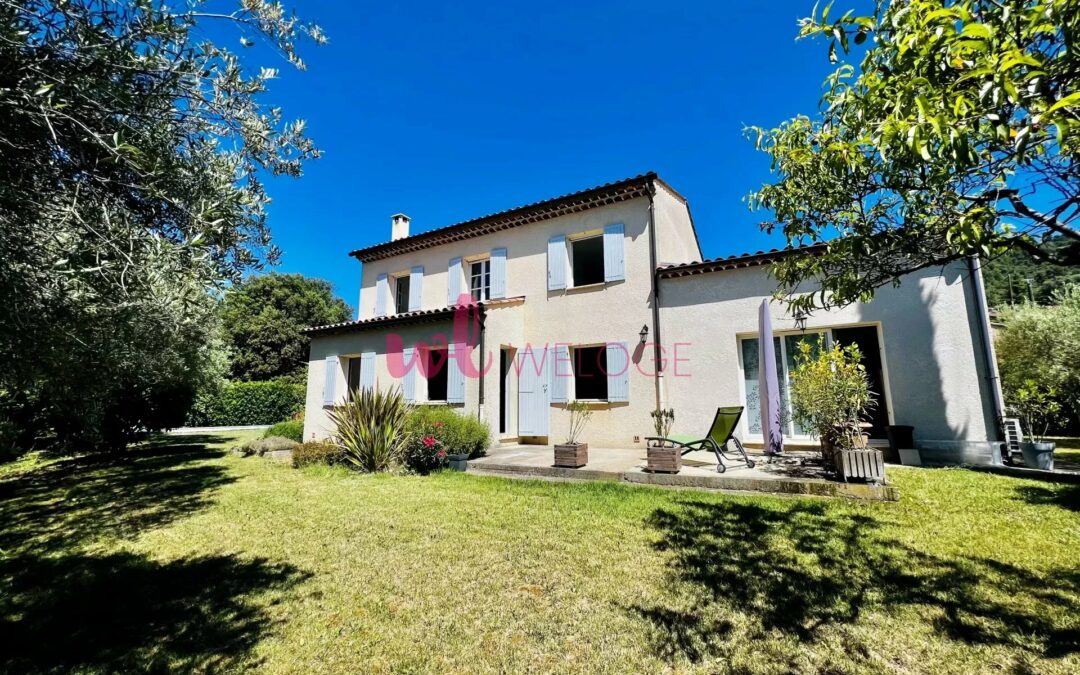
371, 428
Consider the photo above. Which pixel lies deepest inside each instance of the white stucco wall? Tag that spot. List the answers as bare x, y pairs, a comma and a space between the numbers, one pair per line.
676, 241
346, 345
592, 315
933, 356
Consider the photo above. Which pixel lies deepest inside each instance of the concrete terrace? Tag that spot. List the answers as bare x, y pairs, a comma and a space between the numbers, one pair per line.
799, 474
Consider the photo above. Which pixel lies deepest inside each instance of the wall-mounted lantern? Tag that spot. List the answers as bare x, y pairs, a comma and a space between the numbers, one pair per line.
644, 334
800, 320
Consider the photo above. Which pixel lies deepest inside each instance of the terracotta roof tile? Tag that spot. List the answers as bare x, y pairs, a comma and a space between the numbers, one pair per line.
735, 261
601, 195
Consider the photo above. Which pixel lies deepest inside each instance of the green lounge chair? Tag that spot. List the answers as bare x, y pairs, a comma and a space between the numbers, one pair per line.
722, 431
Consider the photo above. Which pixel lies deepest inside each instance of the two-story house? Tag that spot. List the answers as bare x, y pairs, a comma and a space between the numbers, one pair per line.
582, 296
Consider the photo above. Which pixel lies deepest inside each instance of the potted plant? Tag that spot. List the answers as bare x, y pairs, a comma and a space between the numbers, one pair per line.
1036, 406
663, 457
830, 394
574, 454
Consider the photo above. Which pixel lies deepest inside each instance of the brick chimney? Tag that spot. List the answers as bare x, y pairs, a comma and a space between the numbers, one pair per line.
399, 226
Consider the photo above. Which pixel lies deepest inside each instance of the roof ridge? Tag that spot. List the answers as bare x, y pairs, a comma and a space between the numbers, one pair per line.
421, 239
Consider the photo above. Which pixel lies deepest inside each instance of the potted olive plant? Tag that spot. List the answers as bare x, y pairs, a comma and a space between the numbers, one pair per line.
663, 456
574, 454
1037, 409
830, 394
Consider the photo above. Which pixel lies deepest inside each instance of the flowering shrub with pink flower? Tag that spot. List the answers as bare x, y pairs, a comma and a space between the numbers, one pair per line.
437, 431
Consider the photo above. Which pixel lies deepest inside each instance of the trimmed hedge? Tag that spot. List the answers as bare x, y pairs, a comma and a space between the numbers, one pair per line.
246, 403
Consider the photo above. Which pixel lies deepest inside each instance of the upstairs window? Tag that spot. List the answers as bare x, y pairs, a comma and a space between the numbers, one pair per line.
480, 280
587, 260
401, 294
590, 373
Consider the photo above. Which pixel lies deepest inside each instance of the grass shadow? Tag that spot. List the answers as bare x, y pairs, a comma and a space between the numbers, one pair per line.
1063, 496
124, 612
81, 499
801, 568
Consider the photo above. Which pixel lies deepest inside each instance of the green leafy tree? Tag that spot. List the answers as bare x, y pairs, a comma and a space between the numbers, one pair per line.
263, 317
957, 135
130, 154
1040, 345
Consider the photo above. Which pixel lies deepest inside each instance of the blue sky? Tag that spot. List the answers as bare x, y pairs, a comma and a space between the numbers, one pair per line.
448, 111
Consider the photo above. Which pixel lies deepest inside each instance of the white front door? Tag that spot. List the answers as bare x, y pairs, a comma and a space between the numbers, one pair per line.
534, 404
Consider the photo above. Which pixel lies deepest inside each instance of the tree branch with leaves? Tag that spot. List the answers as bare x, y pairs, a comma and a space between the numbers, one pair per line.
958, 135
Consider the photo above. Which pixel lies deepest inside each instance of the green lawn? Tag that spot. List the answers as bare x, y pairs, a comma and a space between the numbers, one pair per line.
183, 557
1067, 453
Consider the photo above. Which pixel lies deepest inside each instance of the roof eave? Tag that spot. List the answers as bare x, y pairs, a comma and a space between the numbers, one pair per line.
602, 195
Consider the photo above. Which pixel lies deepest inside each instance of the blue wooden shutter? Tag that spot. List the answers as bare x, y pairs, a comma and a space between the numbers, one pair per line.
561, 373
614, 263
416, 281
453, 282
455, 378
498, 273
382, 291
330, 385
367, 370
408, 380
618, 371
557, 262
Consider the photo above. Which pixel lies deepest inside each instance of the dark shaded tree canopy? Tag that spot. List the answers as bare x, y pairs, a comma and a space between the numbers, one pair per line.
131, 151
262, 320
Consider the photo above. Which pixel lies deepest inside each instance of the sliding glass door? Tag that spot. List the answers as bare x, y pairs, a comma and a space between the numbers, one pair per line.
788, 353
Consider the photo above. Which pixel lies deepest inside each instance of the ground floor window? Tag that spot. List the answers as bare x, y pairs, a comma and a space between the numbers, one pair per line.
354, 376
436, 368
590, 373
787, 350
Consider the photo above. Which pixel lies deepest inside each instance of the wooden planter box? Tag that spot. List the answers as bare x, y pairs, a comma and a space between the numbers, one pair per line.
664, 459
572, 456
868, 464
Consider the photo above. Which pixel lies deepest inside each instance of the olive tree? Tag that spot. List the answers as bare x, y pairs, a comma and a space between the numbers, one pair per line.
131, 150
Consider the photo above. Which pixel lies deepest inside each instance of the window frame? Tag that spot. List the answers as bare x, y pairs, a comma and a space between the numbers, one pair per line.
601, 366
571, 244
484, 276
397, 299
353, 366
442, 376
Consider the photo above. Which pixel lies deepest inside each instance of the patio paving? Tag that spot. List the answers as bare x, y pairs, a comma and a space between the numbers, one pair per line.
800, 473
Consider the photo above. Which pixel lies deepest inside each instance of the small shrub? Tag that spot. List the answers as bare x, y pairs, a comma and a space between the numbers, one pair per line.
264, 445
423, 453
371, 428
580, 412
830, 393
292, 429
317, 453
457, 434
